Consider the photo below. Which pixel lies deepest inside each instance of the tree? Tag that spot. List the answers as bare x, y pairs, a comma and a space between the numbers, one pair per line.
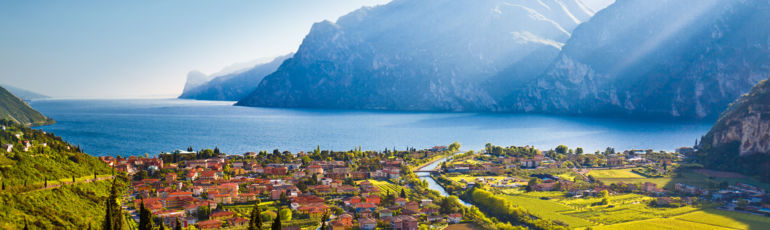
579, 150
113, 217
285, 214
162, 226
323, 220
403, 193
178, 224
561, 149
145, 218
531, 184
255, 222
276, 223
25, 225
283, 198
454, 147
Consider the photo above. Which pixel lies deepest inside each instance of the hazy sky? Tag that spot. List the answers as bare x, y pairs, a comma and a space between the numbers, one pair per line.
114, 49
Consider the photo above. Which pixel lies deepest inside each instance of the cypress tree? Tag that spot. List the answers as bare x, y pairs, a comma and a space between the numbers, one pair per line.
323, 220
276, 223
25, 225
255, 223
145, 218
113, 217
403, 193
178, 223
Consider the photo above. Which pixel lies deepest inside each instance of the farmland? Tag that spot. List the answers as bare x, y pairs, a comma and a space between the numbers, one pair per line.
686, 176
627, 211
385, 186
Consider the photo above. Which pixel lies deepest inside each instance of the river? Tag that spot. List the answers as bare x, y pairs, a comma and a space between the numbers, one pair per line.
432, 184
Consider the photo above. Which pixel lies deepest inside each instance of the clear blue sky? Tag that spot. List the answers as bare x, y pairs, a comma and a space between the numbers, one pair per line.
144, 48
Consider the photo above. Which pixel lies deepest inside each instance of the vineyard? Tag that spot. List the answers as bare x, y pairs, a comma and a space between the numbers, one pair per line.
547, 210
385, 186
627, 211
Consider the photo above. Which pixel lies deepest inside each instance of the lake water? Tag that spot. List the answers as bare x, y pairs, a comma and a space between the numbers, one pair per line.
135, 127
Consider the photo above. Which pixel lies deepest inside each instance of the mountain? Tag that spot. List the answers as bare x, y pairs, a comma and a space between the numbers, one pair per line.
231, 86
682, 59
25, 95
14, 109
445, 55
740, 139
194, 79
49, 161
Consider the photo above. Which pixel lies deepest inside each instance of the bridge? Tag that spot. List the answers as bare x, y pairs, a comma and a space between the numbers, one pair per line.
425, 170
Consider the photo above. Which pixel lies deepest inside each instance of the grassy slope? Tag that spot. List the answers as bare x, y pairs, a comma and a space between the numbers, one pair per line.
71, 206
14, 109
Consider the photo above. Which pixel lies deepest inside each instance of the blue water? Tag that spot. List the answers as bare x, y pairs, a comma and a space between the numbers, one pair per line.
135, 127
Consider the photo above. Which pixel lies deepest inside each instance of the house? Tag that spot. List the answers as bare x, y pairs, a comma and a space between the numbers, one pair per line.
434, 218
365, 206
374, 199
664, 201
386, 213
413, 207
455, 218
237, 221
400, 201
367, 224
209, 175
171, 177
315, 169
346, 219
209, 224
404, 222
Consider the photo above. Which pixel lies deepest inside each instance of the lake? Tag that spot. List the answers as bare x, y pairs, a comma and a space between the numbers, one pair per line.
139, 126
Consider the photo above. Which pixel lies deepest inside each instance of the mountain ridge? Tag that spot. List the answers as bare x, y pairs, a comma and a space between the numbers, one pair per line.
14, 109
231, 86
408, 63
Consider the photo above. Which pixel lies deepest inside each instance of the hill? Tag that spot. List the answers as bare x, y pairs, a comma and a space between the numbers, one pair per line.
14, 109
740, 139
231, 86
682, 59
24, 94
38, 159
444, 55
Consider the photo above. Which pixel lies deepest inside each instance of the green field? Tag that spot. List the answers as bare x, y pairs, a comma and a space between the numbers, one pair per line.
628, 211
727, 219
547, 209
615, 173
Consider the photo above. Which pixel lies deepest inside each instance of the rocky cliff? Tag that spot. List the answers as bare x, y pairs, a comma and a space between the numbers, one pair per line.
685, 58
740, 139
443, 55
746, 122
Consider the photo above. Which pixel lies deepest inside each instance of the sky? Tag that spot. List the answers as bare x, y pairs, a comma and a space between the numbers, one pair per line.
145, 48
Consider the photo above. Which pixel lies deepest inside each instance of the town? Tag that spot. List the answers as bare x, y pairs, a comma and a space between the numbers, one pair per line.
504, 187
